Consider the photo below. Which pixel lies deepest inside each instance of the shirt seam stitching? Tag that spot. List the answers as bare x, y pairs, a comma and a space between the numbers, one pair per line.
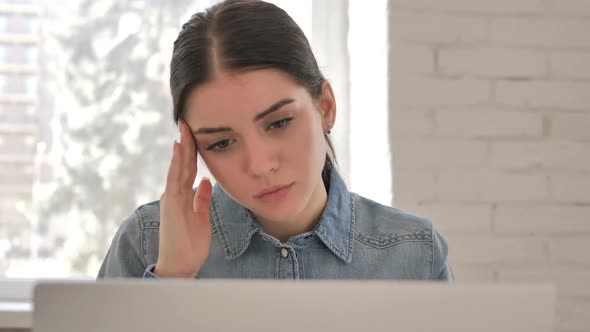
220, 231
352, 229
142, 236
362, 238
432, 252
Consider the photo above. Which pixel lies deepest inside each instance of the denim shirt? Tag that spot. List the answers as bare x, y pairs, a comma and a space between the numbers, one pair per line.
355, 238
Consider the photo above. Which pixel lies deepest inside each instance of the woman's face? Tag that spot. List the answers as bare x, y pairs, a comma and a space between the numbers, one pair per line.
260, 130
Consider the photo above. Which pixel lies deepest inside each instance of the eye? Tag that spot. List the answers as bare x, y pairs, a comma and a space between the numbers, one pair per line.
280, 124
219, 146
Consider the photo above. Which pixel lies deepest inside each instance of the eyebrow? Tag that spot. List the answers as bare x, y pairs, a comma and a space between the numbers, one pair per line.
273, 108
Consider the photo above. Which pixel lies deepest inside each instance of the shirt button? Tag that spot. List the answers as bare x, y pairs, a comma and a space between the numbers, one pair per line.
284, 253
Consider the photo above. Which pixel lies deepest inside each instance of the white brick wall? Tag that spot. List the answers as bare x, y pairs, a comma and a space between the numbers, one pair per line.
423, 91
490, 186
547, 32
490, 113
570, 188
570, 7
572, 313
489, 123
474, 6
570, 126
573, 281
542, 218
428, 28
552, 155
456, 218
544, 94
439, 154
418, 185
570, 65
418, 59
479, 250
419, 122
492, 62
567, 250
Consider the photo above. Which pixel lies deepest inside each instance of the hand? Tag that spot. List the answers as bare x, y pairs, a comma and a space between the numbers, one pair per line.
185, 231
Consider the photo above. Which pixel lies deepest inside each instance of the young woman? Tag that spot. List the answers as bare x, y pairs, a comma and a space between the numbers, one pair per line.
250, 100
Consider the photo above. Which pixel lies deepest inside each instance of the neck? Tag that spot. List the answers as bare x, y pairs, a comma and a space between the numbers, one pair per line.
302, 223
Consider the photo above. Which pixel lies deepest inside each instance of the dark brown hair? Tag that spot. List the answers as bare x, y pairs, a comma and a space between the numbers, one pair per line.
240, 35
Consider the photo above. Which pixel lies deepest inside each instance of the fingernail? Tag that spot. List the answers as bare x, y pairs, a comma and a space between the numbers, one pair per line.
206, 178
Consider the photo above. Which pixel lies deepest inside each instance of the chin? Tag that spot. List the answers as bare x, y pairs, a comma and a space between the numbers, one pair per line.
274, 212
285, 210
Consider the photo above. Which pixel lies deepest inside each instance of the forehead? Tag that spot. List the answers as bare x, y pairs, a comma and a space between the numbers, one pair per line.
245, 93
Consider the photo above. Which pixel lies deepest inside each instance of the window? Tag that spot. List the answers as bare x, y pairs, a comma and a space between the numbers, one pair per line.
96, 107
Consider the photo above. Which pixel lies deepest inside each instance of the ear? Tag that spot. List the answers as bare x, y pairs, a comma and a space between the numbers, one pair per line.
327, 106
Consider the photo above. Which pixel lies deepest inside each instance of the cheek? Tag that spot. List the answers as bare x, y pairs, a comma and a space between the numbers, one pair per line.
315, 136
307, 148
226, 169
227, 175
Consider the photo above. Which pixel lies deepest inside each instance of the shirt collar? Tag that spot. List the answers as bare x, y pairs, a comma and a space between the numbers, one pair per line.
236, 225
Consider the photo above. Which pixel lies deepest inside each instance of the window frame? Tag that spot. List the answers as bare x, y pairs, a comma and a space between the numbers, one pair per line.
330, 29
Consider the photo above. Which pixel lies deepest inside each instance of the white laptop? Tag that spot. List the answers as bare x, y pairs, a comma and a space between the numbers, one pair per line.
285, 306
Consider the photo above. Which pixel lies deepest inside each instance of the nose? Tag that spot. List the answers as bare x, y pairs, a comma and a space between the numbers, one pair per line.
260, 159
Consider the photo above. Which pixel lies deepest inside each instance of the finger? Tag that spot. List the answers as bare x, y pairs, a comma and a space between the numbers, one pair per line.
173, 177
188, 138
162, 201
202, 200
189, 164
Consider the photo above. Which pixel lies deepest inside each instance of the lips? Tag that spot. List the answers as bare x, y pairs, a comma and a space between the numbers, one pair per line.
271, 190
274, 193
